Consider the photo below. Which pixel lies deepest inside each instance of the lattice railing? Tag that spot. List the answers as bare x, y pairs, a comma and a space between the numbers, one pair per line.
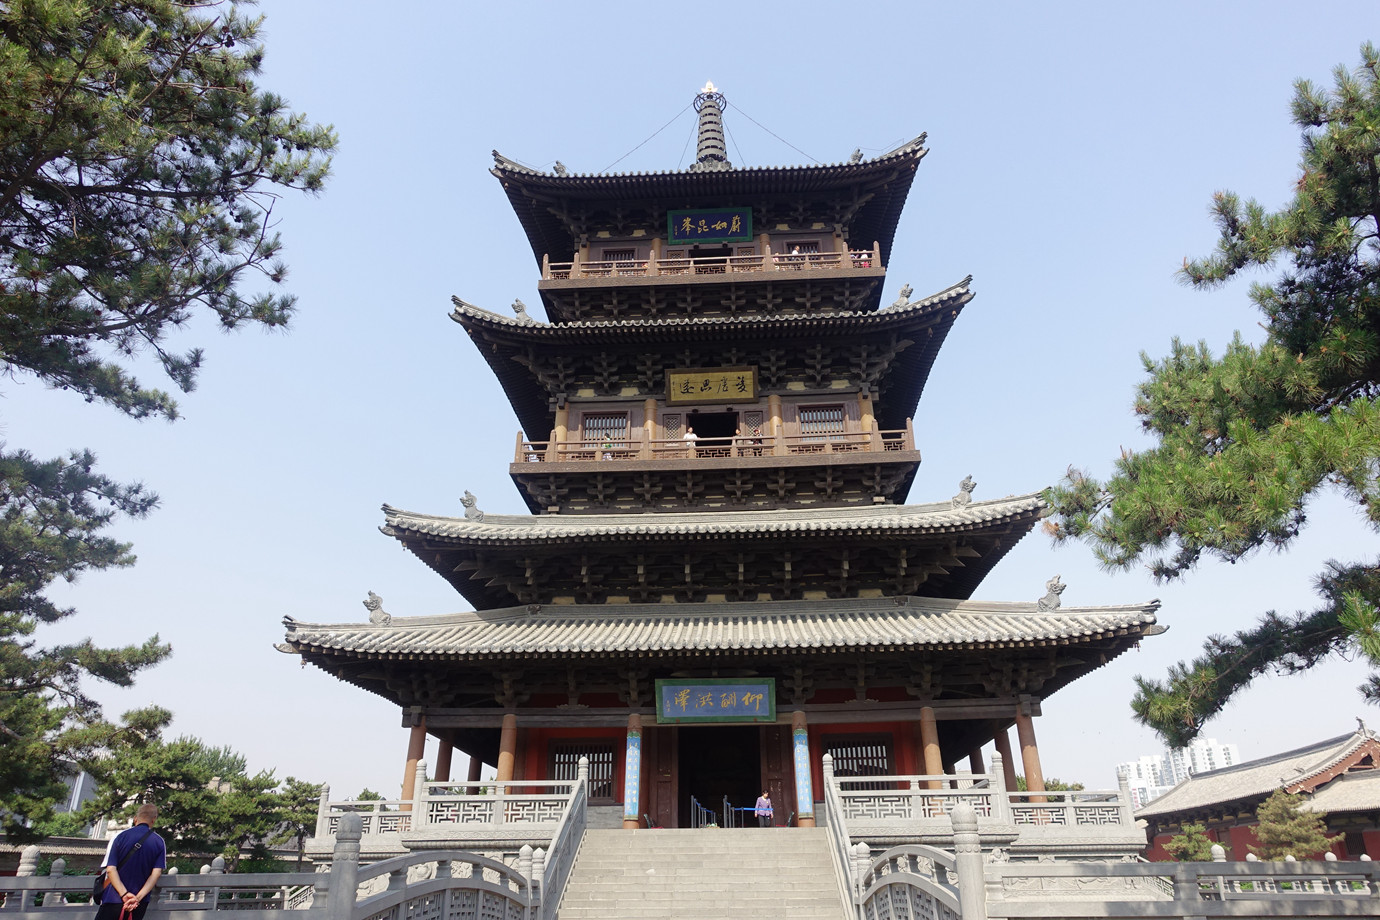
606, 451
712, 265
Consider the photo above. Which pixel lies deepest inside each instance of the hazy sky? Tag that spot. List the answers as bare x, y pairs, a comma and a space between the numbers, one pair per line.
1074, 150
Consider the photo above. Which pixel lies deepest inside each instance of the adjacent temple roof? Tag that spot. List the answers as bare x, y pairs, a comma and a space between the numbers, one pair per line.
651, 630
1302, 769
903, 339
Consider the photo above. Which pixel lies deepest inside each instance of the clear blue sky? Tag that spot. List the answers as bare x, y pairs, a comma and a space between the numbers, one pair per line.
1074, 150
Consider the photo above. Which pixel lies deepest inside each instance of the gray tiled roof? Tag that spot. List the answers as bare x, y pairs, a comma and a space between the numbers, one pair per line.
887, 315
1348, 792
937, 517
1254, 777
767, 627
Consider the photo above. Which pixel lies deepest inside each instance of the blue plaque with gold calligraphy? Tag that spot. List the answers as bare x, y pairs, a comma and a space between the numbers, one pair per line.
709, 225
715, 699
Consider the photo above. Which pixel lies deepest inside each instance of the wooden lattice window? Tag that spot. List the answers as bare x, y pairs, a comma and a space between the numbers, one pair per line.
619, 255
670, 424
860, 755
565, 761
752, 423
605, 427
746, 251
673, 254
805, 247
818, 422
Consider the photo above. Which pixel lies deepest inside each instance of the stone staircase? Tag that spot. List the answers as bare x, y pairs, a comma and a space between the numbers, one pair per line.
715, 874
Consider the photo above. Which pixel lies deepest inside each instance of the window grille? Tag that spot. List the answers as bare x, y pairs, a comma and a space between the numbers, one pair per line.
565, 760
860, 755
619, 255
673, 254
806, 247
671, 425
609, 427
746, 251
816, 422
752, 423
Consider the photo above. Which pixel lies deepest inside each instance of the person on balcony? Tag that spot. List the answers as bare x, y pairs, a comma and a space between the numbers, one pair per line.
763, 809
690, 438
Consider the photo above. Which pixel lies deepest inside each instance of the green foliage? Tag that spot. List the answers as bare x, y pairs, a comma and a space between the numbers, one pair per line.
51, 517
136, 169
299, 801
1192, 845
1283, 830
1053, 784
64, 824
138, 162
1246, 439
201, 812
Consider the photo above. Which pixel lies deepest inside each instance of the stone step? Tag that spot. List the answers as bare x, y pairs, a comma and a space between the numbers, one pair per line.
709, 873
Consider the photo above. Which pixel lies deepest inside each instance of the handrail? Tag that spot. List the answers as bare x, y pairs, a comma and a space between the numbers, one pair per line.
559, 859
711, 265
605, 450
840, 844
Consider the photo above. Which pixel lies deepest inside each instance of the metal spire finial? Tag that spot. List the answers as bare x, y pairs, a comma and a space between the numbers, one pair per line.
711, 153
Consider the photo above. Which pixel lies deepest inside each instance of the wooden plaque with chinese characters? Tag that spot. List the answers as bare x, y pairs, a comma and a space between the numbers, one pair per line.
693, 385
715, 699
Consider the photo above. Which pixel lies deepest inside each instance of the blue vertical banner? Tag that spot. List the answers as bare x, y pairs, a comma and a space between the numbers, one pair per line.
804, 789
632, 776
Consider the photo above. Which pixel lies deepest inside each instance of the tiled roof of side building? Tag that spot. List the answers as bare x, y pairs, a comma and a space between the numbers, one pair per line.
1256, 777
933, 517
1348, 793
873, 623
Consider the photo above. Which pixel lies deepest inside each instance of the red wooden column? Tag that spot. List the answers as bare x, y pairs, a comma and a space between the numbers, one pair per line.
1030, 753
475, 766
975, 761
443, 754
1008, 765
416, 747
507, 748
929, 747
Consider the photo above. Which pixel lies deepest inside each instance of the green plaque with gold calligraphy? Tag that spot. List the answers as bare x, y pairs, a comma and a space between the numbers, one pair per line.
716, 699
692, 385
709, 225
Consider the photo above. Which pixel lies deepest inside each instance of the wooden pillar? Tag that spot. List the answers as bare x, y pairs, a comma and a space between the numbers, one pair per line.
649, 410
416, 747
562, 424
774, 411
1008, 763
1030, 754
476, 765
804, 785
443, 754
632, 774
930, 757
507, 748
975, 763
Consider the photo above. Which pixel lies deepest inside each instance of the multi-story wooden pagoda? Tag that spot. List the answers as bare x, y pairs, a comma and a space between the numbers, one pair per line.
719, 582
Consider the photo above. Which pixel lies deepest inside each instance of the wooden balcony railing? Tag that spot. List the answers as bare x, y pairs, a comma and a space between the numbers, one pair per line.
606, 451
712, 265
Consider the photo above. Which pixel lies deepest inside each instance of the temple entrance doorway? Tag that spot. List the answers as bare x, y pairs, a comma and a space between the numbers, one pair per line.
717, 761
714, 429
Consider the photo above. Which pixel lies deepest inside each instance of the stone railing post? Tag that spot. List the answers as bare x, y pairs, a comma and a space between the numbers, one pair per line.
28, 867
344, 883
1001, 799
538, 866
972, 887
54, 898
500, 806
218, 866
201, 895
1128, 815
323, 813
1218, 854
862, 861
582, 770
419, 817
524, 867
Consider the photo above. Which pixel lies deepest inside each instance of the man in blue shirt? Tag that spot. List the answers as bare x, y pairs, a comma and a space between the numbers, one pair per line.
133, 863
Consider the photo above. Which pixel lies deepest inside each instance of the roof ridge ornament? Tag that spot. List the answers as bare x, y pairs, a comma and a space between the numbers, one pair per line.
377, 615
1053, 588
711, 152
559, 169
472, 512
904, 299
965, 492
856, 156
520, 313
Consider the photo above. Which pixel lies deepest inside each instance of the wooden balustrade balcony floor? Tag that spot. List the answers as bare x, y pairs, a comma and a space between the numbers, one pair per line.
742, 473
842, 281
